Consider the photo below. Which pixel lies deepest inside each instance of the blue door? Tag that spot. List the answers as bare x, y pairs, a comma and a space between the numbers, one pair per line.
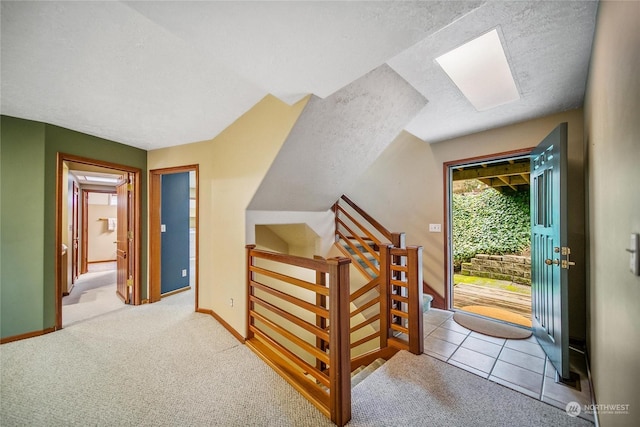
174, 217
550, 253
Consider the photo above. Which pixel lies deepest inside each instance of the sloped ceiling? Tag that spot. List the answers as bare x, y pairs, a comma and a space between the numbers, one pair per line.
336, 139
155, 74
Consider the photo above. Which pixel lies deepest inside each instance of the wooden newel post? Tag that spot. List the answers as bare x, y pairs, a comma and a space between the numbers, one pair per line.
414, 280
249, 261
339, 341
384, 289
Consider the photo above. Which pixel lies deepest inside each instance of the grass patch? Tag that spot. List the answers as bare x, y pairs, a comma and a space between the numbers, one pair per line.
492, 283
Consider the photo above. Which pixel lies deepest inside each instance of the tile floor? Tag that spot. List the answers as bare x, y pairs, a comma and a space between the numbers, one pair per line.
518, 364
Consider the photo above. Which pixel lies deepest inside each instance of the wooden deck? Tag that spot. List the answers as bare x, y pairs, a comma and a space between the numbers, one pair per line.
465, 294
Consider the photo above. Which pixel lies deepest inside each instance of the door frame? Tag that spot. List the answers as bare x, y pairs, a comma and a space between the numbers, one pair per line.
75, 234
448, 261
64, 157
155, 235
84, 241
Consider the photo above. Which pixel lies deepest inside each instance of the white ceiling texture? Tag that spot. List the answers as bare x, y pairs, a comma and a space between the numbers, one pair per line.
154, 74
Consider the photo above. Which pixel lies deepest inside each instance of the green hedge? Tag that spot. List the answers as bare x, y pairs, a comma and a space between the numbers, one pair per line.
490, 222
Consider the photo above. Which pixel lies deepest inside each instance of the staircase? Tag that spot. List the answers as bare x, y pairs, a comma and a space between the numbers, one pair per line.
360, 238
315, 326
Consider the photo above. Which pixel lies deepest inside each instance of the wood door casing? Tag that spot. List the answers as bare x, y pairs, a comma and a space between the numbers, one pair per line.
135, 209
75, 235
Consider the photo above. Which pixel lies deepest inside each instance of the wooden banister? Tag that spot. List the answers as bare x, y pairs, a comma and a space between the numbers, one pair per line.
386, 233
318, 366
340, 365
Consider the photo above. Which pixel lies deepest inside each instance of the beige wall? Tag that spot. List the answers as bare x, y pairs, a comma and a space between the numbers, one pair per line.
100, 240
612, 133
404, 190
231, 167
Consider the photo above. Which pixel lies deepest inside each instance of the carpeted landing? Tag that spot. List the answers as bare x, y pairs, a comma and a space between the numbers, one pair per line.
164, 365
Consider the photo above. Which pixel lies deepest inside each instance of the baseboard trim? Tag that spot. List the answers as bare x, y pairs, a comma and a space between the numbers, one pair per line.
27, 335
220, 320
438, 300
177, 291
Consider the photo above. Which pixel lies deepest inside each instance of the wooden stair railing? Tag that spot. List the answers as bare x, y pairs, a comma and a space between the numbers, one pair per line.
301, 328
395, 292
402, 276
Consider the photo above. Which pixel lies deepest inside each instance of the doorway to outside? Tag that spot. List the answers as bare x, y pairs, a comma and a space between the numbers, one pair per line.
490, 229
173, 235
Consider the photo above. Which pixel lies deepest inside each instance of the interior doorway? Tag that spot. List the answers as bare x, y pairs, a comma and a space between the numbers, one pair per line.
77, 177
488, 212
173, 232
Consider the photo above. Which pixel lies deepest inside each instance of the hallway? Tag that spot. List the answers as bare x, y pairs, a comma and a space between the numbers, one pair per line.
93, 294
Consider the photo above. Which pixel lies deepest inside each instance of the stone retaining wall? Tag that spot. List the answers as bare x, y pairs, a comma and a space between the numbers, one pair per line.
501, 267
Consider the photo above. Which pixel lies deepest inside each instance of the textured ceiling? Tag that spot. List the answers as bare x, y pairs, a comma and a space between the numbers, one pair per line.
155, 74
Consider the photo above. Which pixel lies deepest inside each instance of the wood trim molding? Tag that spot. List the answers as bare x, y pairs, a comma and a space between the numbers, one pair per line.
438, 300
26, 335
155, 237
220, 320
446, 204
64, 157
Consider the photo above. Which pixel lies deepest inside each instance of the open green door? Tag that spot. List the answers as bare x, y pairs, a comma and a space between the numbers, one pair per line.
550, 254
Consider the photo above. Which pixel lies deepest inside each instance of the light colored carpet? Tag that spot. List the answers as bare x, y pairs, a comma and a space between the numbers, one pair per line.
164, 365
94, 294
151, 365
490, 327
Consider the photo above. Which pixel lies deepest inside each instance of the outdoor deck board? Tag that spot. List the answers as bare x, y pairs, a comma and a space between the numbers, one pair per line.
466, 294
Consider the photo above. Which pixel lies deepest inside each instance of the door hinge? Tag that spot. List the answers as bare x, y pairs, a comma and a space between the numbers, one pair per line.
130, 235
130, 282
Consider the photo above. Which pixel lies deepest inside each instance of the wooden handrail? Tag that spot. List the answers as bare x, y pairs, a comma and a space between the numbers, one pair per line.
291, 280
320, 333
325, 382
320, 311
401, 270
386, 233
311, 264
366, 288
365, 230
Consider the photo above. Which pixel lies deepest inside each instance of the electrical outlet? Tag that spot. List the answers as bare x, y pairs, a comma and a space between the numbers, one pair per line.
231, 302
184, 272
435, 228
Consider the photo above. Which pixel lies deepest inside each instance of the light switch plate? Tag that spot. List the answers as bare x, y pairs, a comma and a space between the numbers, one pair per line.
163, 228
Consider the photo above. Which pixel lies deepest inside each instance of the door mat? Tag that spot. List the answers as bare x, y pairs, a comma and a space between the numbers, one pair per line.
473, 321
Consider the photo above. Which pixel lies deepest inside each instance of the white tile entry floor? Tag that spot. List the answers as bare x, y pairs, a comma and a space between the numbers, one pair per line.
518, 364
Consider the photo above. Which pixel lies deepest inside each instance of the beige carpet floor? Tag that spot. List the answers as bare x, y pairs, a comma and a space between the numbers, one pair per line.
93, 294
164, 365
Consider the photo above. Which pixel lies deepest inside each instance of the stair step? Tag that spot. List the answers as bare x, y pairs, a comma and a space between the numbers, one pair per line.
426, 302
364, 371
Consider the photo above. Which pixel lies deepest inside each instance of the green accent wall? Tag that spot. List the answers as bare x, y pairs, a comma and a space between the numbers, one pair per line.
22, 190
28, 214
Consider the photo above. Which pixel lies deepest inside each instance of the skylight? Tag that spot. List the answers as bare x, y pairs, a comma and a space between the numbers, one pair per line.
101, 179
481, 71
